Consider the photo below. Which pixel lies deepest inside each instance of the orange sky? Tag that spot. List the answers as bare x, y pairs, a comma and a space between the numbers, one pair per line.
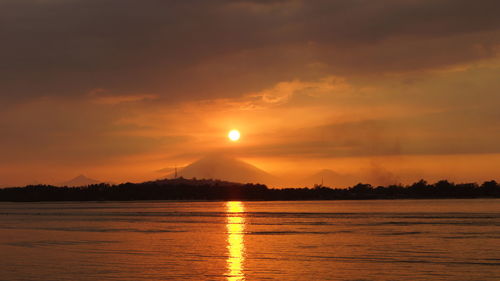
386, 91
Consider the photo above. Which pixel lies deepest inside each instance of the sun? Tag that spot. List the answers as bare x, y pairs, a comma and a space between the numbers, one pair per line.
234, 135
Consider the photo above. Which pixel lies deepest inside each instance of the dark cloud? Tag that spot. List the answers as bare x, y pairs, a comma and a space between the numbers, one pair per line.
184, 49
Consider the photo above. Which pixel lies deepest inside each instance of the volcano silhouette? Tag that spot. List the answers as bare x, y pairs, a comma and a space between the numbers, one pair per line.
80, 180
226, 168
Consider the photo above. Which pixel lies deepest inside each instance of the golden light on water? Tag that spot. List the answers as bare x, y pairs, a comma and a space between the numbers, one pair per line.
235, 240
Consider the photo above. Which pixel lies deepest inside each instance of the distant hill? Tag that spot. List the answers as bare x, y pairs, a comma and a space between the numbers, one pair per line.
228, 169
328, 178
80, 180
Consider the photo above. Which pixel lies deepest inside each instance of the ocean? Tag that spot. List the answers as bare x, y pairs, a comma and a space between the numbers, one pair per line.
277, 240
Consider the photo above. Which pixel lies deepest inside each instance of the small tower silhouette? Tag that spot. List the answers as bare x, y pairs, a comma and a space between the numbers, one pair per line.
175, 173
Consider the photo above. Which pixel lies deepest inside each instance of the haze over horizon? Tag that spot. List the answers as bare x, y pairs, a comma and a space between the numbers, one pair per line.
385, 91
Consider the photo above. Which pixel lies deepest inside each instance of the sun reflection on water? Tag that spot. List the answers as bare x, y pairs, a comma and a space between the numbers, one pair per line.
235, 240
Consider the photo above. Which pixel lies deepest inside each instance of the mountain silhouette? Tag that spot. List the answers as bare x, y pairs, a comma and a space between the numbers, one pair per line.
226, 168
329, 178
80, 180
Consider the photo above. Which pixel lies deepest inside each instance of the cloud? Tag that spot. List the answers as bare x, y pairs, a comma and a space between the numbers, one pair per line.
101, 97
282, 92
445, 133
181, 50
97, 81
62, 132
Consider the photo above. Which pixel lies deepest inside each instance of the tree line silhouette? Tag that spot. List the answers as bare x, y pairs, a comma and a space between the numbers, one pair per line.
196, 189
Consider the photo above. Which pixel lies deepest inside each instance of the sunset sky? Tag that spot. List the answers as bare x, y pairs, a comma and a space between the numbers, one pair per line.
387, 91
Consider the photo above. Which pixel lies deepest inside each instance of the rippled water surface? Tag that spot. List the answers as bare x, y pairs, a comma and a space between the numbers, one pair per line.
324, 240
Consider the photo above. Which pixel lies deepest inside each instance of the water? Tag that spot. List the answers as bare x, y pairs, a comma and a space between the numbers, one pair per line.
325, 240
